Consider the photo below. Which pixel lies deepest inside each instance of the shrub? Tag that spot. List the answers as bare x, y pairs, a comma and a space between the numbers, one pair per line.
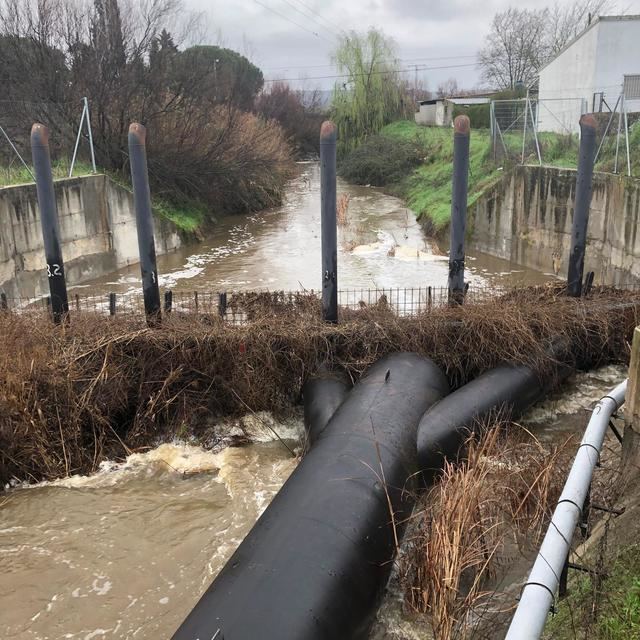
230, 160
381, 160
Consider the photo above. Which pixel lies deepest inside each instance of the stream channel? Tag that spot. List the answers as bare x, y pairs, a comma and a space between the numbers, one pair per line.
126, 552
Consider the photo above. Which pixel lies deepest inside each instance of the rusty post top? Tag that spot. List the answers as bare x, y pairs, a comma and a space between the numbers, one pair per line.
39, 134
588, 120
138, 132
462, 125
328, 131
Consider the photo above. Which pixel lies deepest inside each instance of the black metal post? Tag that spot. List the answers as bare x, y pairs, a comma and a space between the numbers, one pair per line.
222, 304
168, 301
144, 221
583, 202
329, 232
4, 304
460, 180
112, 304
49, 221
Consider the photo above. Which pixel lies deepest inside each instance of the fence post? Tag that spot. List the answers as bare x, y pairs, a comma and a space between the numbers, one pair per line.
49, 221
4, 304
144, 222
168, 301
461, 138
222, 304
583, 202
329, 232
112, 304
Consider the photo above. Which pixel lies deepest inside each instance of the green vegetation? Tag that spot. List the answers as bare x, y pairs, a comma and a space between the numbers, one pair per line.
608, 611
427, 187
18, 174
189, 216
371, 95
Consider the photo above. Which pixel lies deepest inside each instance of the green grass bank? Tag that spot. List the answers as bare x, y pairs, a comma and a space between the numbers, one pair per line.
188, 217
415, 163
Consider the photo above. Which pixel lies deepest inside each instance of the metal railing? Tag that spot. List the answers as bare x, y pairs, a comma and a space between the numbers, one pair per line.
237, 307
538, 594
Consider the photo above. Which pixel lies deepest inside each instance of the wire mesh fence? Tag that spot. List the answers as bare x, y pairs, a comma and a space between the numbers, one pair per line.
239, 307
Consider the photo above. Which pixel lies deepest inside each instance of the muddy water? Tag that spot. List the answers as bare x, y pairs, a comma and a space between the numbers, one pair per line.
126, 552
279, 249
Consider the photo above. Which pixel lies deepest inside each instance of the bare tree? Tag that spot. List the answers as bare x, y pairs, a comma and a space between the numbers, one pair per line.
566, 22
448, 88
522, 40
515, 48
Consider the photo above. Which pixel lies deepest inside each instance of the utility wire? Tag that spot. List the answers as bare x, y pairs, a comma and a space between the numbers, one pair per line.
308, 17
333, 24
404, 60
297, 24
383, 72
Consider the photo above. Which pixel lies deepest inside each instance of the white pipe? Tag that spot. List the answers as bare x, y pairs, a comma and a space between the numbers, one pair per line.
539, 591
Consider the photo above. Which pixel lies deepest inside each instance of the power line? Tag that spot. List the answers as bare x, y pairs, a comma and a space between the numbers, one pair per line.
333, 24
404, 60
308, 17
297, 24
384, 72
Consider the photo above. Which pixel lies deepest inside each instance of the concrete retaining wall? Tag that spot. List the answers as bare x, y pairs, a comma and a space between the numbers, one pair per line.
527, 218
97, 228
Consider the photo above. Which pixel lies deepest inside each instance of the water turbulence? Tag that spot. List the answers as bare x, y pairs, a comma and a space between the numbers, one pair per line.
125, 553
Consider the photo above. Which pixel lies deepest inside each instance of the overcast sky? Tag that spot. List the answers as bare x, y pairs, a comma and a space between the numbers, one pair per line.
428, 33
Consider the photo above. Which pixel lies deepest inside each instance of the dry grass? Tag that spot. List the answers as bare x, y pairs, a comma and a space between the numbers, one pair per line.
99, 386
500, 498
342, 211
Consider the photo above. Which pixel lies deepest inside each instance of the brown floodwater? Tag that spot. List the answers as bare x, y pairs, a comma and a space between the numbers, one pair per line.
126, 552
279, 249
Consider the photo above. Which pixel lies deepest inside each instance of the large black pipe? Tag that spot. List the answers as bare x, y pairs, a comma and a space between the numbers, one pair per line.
315, 563
444, 428
49, 221
328, 229
144, 221
583, 203
461, 136
322, 395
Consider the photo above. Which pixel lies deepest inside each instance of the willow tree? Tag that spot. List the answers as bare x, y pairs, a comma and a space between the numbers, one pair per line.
368, 94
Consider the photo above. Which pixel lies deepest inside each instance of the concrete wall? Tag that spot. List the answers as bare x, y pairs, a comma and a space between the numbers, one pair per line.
527, 218
97, 229
595, 61
438, 114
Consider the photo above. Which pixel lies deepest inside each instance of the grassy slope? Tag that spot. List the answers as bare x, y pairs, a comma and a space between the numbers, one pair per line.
428, 190
189, 218
617, 603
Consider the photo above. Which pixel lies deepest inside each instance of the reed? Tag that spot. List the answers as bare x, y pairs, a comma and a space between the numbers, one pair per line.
100, 387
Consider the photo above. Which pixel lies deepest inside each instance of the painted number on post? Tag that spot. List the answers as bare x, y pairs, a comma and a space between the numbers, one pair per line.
54, 270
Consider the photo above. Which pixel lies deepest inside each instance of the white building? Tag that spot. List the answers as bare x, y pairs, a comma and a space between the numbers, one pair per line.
439, 112
588, 74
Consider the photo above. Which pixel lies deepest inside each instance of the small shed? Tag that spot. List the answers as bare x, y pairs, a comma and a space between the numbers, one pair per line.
439, 111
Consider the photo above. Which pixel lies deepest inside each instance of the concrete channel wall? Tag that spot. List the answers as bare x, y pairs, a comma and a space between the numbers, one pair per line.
526, 218
97, 228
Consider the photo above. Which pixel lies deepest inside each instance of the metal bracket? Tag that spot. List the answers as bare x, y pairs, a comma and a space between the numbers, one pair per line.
615, 431
615, 512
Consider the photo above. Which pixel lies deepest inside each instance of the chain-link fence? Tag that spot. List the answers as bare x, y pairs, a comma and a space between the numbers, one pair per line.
547, 132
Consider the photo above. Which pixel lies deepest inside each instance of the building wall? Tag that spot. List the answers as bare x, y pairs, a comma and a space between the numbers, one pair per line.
427, 115
566, 82
527, 218
596, 61
97, 230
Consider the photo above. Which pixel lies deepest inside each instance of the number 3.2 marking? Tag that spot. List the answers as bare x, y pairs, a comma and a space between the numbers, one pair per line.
54, 270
